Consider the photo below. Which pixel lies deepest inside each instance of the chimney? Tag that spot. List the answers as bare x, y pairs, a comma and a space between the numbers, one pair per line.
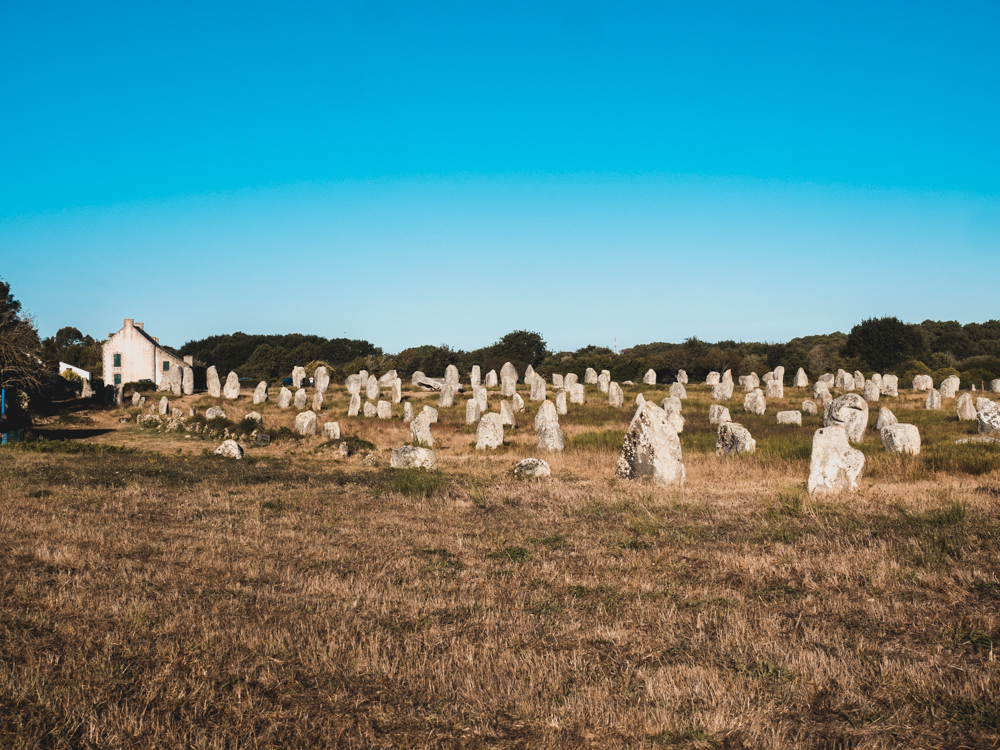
156, 339
140, 326
189, 360
128, 322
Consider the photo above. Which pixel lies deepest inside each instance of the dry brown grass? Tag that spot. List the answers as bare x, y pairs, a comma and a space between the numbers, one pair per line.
154, 599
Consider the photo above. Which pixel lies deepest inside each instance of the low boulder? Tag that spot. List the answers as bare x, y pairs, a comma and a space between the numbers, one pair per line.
790, 417
733, 439
305, 423
901, 438
717, 414
411, 457
230, 449
532, 468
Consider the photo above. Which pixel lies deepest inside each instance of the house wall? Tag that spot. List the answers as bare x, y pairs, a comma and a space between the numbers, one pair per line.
141, 357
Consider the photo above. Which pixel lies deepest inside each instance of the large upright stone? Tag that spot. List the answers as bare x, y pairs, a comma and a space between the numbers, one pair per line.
489, 434
650, 377
713, 378
260, 393
994, 386
372, 391
722, 391
475, 376
820, 389
890, 385
850, 412
301, 398
431, 413
491, 379
885, 419
988, 419
923, 383
677, 390
682, 377
871, 391
537, 388
396, 390
590, 376
331, 430
859, 380
517, 403
801, 380
550, 436
284, 398
949, 387
451, 375
651, 450
321, 379
844, 381
732, 439
546, 413
354, 384
481, 396
558, 381
577, 394
354, 407
751, 381
835, 466
407, 412
755, 402
508, 379
472, 412
447, 398
384, 410
828, 378
370, 411
386, 379
615, 395
717, 414
901, 438
933, 400
317, 401
965, 408
506, 414
298, 376
164, 407
604, 381
212, 382
775, 389
561, 405
187, 384
305, 423
232, 388
570, 380
529, 373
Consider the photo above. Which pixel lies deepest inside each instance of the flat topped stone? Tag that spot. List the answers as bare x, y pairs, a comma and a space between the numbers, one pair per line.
732, 439
412, 457
305, 423
901, 438
790, 417
755, 402
489, 434
651, 450
717, 414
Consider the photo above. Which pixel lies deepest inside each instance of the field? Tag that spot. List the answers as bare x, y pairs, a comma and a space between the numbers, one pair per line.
155, 595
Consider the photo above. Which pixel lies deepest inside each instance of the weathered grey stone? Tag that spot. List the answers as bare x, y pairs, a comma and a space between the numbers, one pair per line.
994, 386
147, 420
260, 393
171, 381
722, 391
604, 381
317, 401
506, 414
682, 377
755, 402
809, 407
301, 398
532, 468
537, 388
481, 396
885, 419
344, 450
732, 439
651, 450
305, 423
417, 377
164, 406
396, 390
557, 380
384, 409
590, 376
577, 394
949, 387
550, 438
472, 411
570, 380
717, 414
355, 406
491, 379
255, 416
835, 466
232, 387
489, 434
988, 419
923, 383
431, 413
981, 402
508, 379
615, 395
331, 430
775, 389
779, 373
370, 460
877, 380
447, 398
859, 380
387, 377
475, 376
844, 381
529, 373
727, 377
451, 375
430, 384
178, 414
517, 403
871, 391
768, 377
546, 414
410, 457
790, 417
135, 398
850, 412
677, 390
370, 410
890, 385
321, 379
407, 412
713, 378
965, 408
901, 438
298, 376
978, 440
801, 380
230, 449
284, 398
820, 388
671, 406
372, 392
829, 379
187, 381
933, 400
749, 382
561, 406
640, 399
355, 384
650, 377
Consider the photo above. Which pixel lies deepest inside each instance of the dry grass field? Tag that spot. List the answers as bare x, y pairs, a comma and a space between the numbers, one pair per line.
154, 595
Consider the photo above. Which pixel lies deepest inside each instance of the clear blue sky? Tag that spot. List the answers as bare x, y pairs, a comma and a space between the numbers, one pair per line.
414, 173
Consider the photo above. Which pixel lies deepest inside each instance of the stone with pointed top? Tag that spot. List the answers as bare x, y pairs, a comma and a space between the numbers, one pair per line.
651, 450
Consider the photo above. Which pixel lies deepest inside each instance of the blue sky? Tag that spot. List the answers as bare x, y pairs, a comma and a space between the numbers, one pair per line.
445, 173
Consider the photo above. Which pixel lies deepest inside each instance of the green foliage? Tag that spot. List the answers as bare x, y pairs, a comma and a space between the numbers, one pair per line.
599, 440
512, 554
417, 482
883, 343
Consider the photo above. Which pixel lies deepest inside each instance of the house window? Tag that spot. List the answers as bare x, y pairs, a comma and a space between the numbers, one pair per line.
118, 360
166, 366
118, 377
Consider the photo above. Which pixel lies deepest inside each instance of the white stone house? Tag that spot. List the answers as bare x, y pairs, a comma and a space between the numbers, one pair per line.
132, 355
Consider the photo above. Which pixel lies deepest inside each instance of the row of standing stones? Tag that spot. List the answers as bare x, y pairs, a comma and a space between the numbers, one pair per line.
651, 449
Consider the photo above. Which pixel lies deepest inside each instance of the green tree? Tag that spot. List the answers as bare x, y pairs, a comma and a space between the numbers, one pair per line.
21, 365
883, 343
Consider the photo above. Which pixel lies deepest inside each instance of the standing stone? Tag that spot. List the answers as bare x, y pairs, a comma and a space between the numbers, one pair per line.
321, 379
451, 375
779, 373
517, 402
475, 376
733, 439
994, 386
409, 457
431, 412
615, 395
682, 377
871, 391
489, 434
305, 423
844, 381
717, 414
828, 379
727, 377
417, 377
384, 410
491, 379
800, 381
877, 380
604, 381
164, 406
570, 380
949, 387
923, 383
933, 400
331, 430
722, 390
850, 412
317, 401
713, 378
354, 384
481, 397
372, 392
671, 406
537, 388
387, 378
557, 380
754, 402
677, 390
790, 417
550, 438
751, 381
284, 398
577, 394
298, 376
890, 385
354, 407
809, 407
508, 379
901, 438
775, 389
561, 407
651, 450
965, 408
506, 414
232, 388
364, 376
768, 377
590, 376
546, 413
650, 377
135, 398
472, 412
988, 419
859, 380
447, 397
187, 386
260, 393
212, 382
835, 466
885, 419
396, 390
301, 398
820, 389
407, 412
370, 410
